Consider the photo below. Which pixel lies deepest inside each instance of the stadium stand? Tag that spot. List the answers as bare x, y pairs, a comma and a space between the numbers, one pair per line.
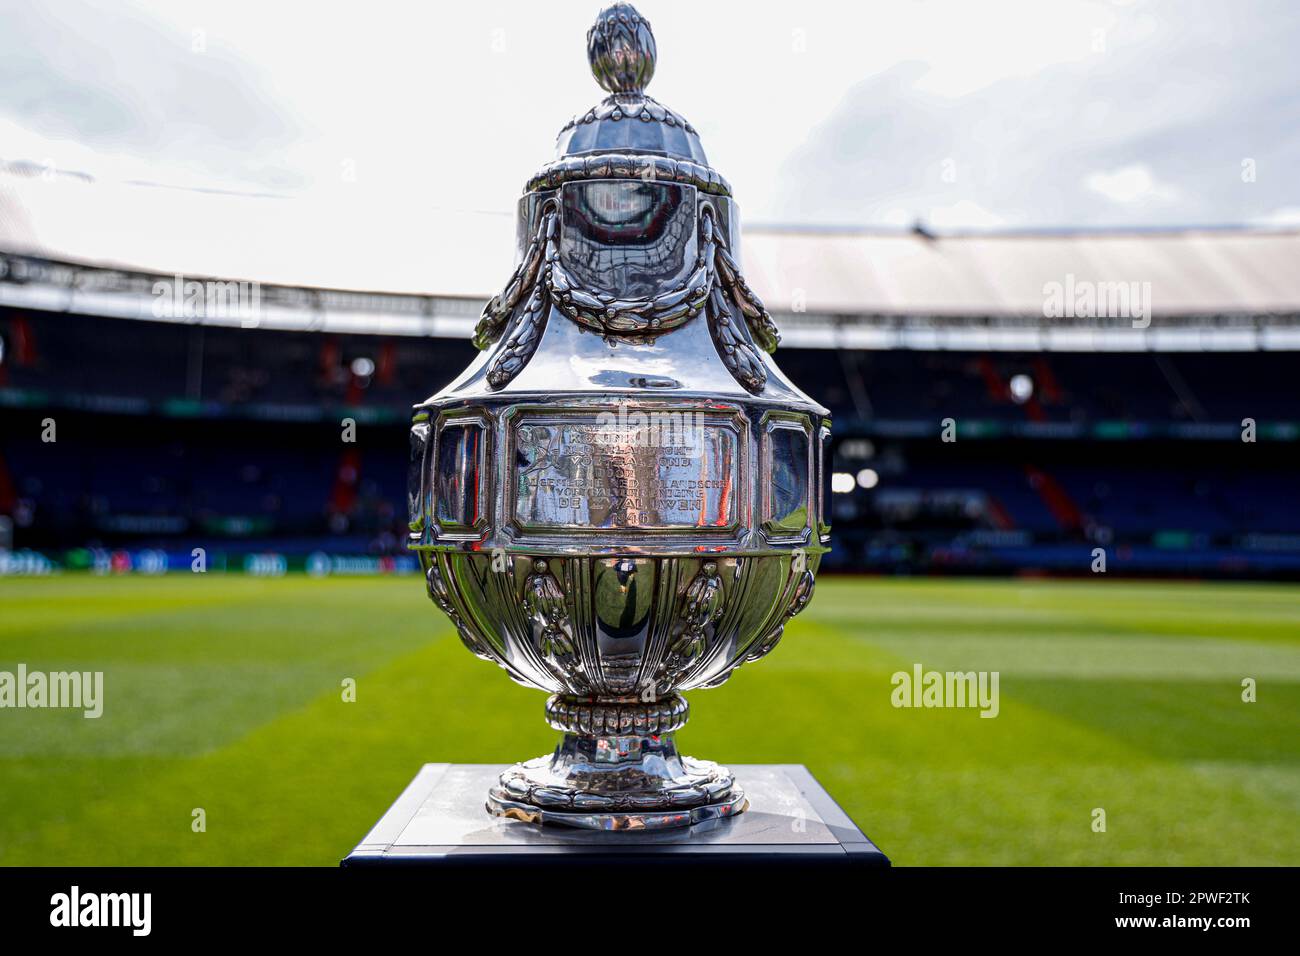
1071, 434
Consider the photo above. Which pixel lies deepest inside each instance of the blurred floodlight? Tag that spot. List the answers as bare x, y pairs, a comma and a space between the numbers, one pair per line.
1022, 388
841, 482
867, 478
857, 448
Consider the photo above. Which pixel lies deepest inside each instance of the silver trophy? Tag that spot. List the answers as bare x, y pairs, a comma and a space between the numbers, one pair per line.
622, 498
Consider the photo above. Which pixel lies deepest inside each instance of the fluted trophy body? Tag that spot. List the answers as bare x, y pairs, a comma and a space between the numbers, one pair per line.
622, 497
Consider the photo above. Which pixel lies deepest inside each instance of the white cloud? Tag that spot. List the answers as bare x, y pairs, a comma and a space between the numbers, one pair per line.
1134, 183
897, 216
963, 215
1284, 216
970, 46
819, 113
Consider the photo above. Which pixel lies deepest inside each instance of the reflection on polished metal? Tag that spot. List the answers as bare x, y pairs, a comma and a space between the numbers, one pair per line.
623, 497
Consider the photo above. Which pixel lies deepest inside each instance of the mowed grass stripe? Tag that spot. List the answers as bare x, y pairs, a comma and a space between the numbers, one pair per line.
212, 618
1101, 657
304, 788
1259, 612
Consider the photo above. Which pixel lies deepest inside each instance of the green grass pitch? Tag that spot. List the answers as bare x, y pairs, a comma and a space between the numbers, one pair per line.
225, 693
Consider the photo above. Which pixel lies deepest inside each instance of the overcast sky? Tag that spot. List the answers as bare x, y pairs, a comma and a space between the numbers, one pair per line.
959, 114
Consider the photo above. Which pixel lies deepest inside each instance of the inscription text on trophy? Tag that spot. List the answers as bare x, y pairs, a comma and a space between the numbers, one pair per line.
638, 470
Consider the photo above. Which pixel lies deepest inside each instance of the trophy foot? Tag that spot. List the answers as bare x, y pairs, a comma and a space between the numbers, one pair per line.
617, 768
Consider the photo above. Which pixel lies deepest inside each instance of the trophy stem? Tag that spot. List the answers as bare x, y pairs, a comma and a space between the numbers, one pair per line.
616, 768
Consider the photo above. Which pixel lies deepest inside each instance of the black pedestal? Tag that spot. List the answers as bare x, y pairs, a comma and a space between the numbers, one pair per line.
440, 820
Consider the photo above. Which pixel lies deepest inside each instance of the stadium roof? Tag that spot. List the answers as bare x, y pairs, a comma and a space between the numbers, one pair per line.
427, 272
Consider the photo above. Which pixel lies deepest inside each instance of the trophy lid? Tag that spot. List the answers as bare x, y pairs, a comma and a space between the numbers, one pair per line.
621, 51
627, 279
627, 124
